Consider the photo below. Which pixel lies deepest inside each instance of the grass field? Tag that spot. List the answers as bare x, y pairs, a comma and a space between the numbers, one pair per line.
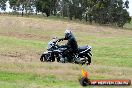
22, 40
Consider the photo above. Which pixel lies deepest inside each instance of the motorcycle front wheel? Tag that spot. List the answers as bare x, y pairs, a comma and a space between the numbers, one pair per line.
43, 58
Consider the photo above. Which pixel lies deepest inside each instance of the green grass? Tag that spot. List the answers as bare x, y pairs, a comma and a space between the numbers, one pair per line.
108, 51
13, 42
28, 79
20, 66
113, 51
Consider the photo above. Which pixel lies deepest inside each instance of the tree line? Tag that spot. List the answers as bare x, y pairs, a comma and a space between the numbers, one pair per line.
107, 12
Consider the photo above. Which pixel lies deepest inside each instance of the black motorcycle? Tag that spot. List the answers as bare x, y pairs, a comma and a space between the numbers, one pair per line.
55, 52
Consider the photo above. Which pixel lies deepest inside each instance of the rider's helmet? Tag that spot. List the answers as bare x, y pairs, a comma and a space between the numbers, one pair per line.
68, 33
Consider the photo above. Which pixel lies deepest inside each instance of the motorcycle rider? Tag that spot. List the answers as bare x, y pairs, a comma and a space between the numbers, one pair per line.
72, 46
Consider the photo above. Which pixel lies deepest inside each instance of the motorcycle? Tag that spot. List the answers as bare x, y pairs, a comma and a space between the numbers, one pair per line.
55, 52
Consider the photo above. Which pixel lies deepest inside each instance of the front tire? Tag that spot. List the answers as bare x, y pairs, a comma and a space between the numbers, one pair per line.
47, 58
42, 58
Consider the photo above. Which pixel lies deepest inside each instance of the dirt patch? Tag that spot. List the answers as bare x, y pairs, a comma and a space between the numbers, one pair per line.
20, 56
12, 54
34, 28
25, 36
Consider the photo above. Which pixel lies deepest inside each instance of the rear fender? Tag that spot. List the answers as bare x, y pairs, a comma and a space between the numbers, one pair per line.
88, 49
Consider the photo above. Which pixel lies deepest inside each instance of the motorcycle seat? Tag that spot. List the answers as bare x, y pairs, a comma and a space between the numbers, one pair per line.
82, 48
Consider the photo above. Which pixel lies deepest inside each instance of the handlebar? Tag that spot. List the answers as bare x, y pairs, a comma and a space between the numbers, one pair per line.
58, 40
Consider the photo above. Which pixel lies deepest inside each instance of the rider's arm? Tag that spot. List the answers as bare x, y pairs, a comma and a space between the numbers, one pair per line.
61, 39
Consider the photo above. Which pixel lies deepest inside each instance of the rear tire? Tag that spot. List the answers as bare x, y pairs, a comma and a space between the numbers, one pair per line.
89, 59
